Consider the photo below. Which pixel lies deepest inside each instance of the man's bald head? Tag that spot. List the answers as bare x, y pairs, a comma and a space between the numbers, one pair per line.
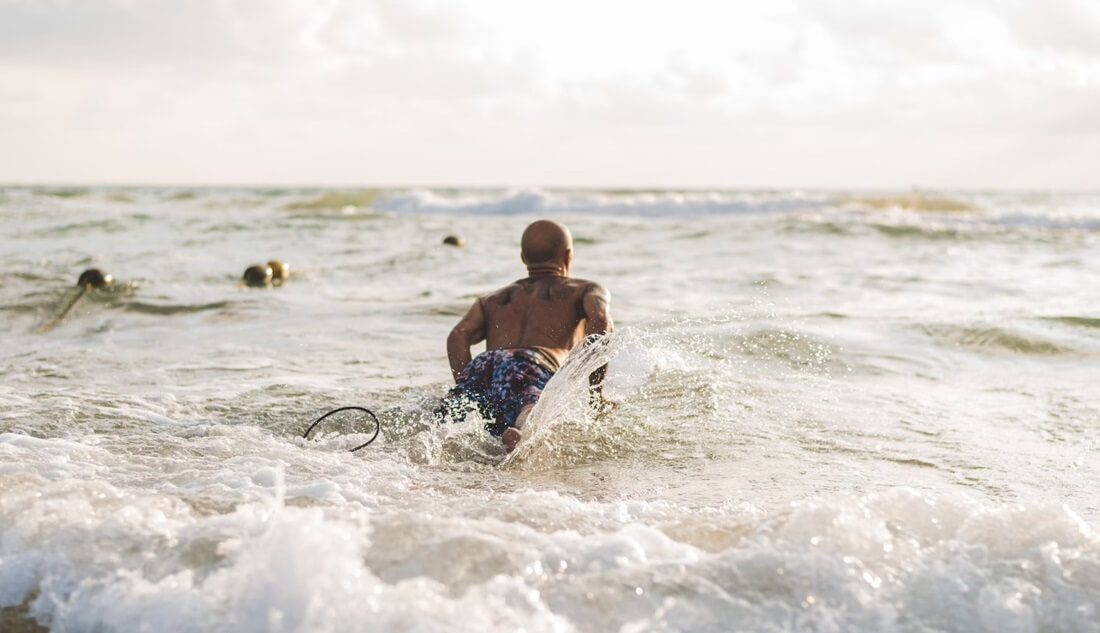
545, 242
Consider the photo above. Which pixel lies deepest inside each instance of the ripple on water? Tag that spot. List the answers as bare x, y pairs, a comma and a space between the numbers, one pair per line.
1078, 321
994, 339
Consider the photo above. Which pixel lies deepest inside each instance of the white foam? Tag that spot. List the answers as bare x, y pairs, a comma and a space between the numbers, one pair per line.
103, 559
138, 564
540, 201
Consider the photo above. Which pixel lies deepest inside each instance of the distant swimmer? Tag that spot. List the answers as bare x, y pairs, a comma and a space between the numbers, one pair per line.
528, 327
92, 278
273, 273
453, 240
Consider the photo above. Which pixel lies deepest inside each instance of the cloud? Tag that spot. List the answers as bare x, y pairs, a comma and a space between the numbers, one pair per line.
262, 34
218, 81
103, 32
1068, 26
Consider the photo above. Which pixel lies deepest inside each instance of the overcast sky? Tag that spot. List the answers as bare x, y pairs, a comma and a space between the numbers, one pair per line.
631, 93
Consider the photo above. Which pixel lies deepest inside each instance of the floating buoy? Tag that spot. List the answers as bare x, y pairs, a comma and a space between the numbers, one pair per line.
257, 276
93, 277
90, 278
280, 271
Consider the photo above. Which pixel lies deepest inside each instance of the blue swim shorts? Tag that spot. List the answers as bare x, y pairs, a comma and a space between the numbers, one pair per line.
499, 382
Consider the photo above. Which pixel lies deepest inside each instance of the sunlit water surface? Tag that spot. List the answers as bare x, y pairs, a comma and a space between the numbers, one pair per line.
835, 412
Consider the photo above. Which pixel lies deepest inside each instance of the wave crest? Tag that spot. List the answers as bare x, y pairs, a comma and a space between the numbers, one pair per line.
998, 339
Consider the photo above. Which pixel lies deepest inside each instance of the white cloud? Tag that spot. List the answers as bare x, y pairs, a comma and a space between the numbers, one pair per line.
101, 32
507, 91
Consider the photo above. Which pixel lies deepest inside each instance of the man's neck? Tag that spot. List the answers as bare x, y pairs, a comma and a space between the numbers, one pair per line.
552, 270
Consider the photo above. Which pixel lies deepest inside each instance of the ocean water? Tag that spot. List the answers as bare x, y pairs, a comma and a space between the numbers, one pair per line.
835, 412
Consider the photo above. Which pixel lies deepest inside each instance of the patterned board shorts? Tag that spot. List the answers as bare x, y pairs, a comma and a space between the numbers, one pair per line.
499, 382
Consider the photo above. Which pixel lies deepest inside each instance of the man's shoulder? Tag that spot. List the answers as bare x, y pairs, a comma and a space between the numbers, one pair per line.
499, 292
574, 287
504, 294
580, 287
589, 286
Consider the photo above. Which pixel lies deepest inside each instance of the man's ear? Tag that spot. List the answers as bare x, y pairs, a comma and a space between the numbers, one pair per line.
568, 257
522, 258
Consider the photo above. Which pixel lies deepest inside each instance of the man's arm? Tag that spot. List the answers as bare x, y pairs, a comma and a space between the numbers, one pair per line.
469, 331
597, 311
597, 322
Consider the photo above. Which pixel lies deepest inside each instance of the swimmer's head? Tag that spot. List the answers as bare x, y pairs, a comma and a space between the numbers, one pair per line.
546, 244
93, 278
257, 276
280, 271
453, 240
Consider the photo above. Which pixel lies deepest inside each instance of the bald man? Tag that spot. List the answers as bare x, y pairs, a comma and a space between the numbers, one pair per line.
528, 327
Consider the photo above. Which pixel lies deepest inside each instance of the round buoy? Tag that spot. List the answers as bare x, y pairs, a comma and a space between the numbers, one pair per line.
94, 278
280, 271
257, 276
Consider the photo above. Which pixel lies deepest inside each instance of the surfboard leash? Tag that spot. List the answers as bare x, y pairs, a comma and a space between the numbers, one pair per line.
377, 424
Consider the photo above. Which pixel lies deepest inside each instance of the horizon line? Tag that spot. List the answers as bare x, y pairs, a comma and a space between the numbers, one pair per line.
912, 188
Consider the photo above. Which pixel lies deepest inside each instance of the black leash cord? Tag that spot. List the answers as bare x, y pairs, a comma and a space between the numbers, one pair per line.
377, 424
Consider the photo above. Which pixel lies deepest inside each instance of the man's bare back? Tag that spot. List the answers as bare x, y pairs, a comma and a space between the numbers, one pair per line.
535, 320
548, 313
